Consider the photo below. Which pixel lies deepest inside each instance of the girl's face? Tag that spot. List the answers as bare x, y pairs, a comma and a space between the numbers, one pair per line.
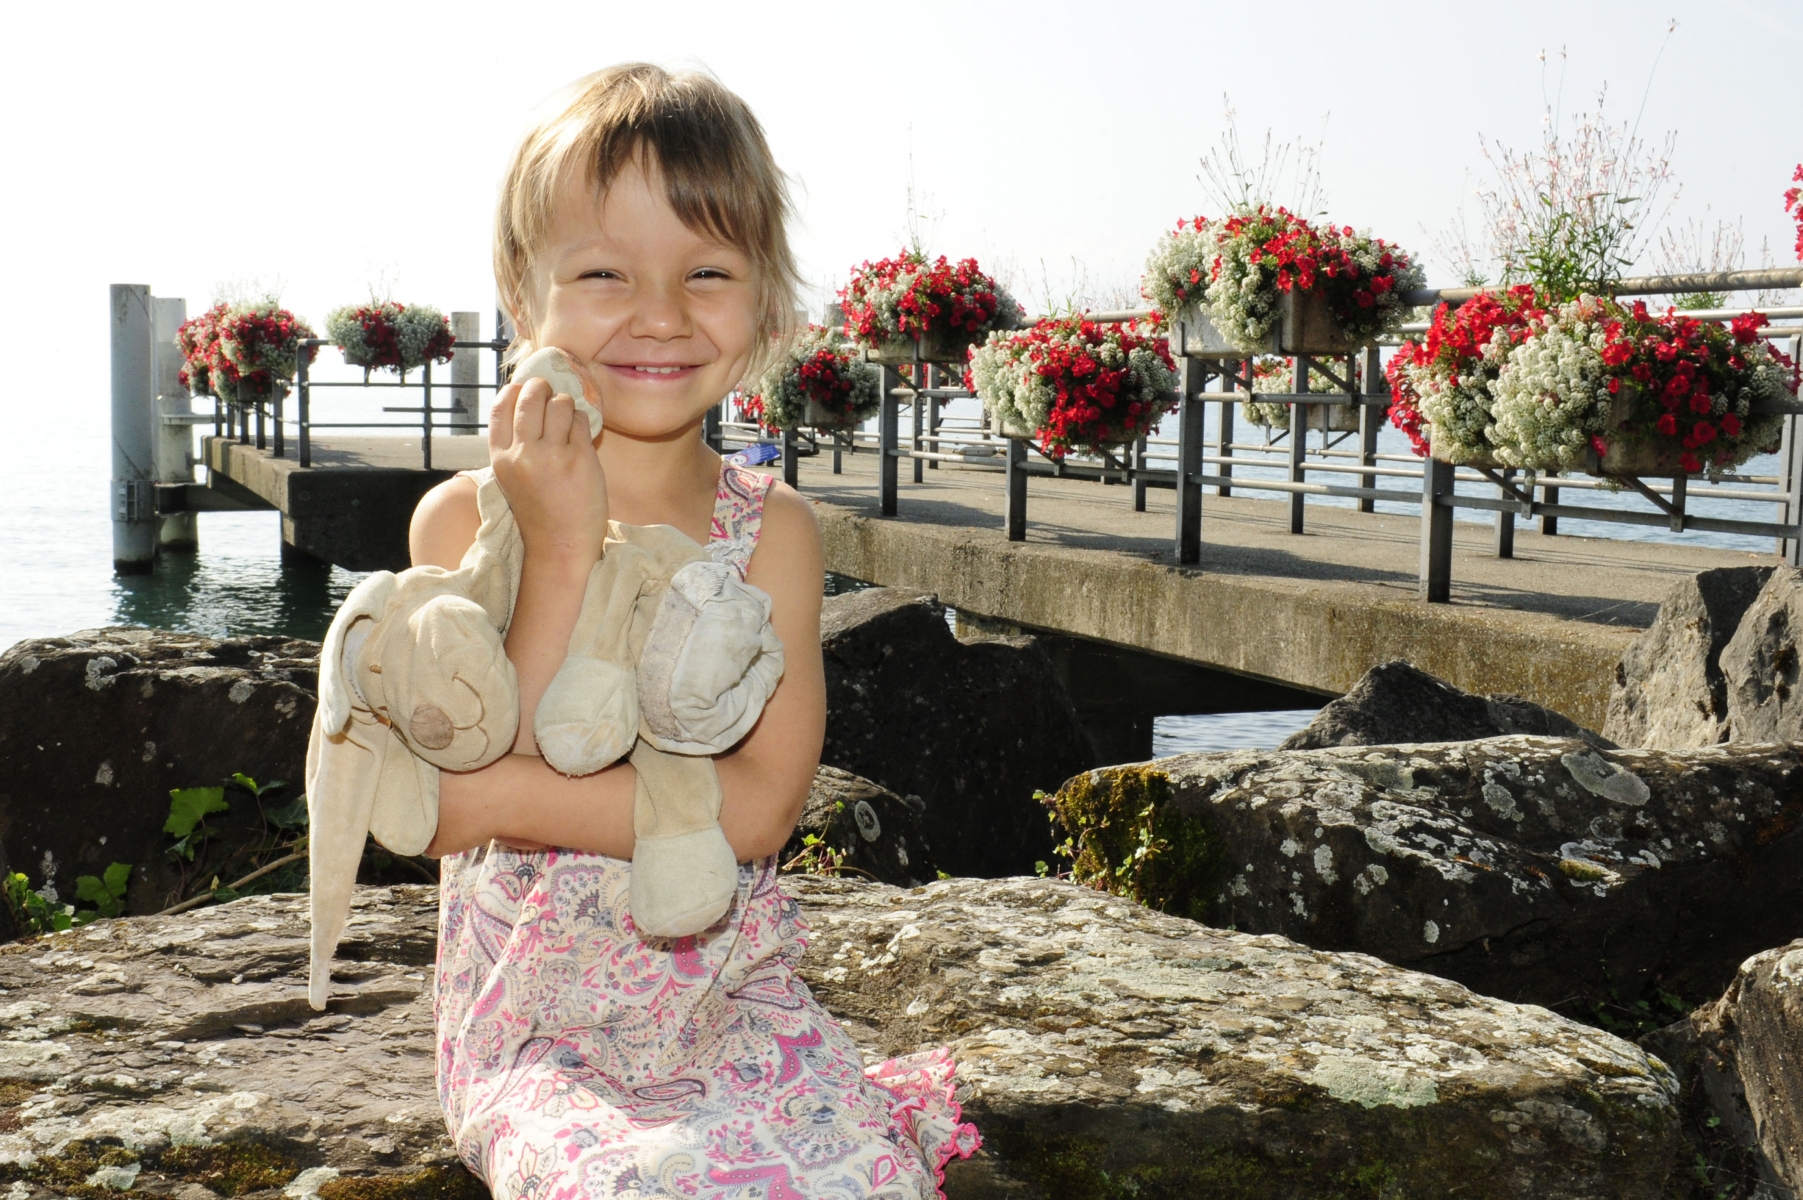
664, 319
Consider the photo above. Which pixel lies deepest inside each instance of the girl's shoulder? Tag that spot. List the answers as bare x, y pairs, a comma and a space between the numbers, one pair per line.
788, 543
444, 523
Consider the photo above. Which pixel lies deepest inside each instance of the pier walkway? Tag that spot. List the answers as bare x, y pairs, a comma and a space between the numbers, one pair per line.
1311, 611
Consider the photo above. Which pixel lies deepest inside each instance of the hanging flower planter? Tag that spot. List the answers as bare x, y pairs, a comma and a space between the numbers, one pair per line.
898, 307
254, 351
386, 336
1277, 375
818, 384
1071, 383
1440, 386
1264, 281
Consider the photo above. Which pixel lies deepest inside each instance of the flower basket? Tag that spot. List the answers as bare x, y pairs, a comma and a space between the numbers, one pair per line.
819, 383
1270, 282
1275, 375
255, 353
948, 307
386, 336
1071, 383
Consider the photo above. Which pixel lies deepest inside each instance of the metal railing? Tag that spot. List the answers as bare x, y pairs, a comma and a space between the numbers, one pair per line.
270, 417
1183, 463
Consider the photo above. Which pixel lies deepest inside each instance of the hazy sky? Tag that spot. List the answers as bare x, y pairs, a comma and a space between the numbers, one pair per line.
327, 148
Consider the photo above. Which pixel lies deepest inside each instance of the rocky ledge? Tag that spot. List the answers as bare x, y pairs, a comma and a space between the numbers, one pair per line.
1103, 1049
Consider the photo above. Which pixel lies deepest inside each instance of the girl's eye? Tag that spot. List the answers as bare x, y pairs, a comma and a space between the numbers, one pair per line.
599, 273
711, 273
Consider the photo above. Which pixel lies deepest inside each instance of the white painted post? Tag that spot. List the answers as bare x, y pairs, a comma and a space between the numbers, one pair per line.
466, 410
174, 422
133, 495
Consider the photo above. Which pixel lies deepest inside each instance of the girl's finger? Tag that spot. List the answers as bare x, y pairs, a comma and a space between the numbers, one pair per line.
500, 419
559, 411
529, 411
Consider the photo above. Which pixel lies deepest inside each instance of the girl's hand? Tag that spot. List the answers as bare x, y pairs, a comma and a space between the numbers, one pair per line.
547, 468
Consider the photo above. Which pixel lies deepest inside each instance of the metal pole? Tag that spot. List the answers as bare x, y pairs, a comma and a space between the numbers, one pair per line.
1298, 440
278, 443
1017, 490
305, 393
1436, 532
1549, 524
1224, 447
1371, 420
935, 378
1139, 474
1793, 487
791, 460
887, 435
1505, 521
917, 413
175, 421
1192, 377
262, 413
134, 446
425, 419
710, 429
465, 408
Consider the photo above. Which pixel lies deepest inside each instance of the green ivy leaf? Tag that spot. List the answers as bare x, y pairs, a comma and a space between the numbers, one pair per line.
189, 806
289, 815
116, 877
91, 889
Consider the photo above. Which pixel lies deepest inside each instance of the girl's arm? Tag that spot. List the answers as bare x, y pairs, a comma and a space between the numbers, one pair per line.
765, 778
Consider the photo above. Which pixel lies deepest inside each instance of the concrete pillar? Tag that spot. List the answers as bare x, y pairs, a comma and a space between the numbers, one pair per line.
174, 422
466, 408
133, 495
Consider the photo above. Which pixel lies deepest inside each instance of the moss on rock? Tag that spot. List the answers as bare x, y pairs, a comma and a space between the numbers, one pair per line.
1125, 836
433, 1183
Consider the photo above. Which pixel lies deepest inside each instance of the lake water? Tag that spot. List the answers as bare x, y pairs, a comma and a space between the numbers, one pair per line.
56, 562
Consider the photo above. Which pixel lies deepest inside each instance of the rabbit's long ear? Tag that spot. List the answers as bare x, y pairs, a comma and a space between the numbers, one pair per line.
337, 692
344, 771
557, 369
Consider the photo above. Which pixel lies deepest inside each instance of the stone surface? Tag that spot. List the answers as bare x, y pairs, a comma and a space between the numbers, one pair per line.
879, 833
972, 728
1533, 869
97, 727
1740, 1064
1669, 690
1759, 664
1103, 1050
1398, 702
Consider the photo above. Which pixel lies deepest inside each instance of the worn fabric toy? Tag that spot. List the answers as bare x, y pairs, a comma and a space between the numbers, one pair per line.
671, 660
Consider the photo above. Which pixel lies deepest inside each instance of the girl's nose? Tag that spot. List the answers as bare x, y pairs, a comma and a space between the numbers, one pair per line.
660, 312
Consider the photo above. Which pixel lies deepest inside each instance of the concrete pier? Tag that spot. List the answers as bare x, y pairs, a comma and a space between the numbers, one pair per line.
1310, 612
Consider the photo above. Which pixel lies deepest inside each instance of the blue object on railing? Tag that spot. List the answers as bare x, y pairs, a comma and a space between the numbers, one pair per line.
752, 456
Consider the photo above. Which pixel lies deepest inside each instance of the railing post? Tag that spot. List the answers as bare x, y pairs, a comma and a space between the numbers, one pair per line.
791, 460
134, 409
1371, 421
262, 410
1192, 377
1549, 524
1017, 490
935, 379
425, 418
1298, 440
917, 416
710, 429
840, 437
887, 436
303, 397
1436, 531
1505, 521
1793, 474
465, 408
1139, 474
1225, 431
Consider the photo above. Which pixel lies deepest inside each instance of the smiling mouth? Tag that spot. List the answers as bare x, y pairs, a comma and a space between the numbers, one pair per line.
670, 369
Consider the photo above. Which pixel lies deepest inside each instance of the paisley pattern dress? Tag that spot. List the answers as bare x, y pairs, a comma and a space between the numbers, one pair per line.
577, 1060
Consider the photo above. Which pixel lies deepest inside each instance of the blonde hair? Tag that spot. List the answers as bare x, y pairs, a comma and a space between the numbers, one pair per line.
717, 171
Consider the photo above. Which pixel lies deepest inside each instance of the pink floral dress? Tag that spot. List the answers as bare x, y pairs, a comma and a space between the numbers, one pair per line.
576, 1060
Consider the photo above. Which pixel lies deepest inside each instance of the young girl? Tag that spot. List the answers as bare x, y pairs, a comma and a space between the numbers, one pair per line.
641, 229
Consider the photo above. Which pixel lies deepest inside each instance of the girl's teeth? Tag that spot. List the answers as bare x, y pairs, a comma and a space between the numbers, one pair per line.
658, 370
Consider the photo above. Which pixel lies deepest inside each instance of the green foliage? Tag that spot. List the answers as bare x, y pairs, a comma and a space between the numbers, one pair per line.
188, 811
1567, 252
105, 892
31, 912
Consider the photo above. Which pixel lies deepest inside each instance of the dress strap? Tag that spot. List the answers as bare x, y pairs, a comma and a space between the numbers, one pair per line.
738, 515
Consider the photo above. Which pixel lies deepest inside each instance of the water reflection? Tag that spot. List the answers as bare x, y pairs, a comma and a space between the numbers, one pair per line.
234, 595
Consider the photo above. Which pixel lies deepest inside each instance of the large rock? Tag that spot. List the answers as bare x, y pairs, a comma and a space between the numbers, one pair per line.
1103, 1050
1532, 869
1397, 702
1740, 1063
971, 728
870, 830
1669, 691
97, 727
1760, 667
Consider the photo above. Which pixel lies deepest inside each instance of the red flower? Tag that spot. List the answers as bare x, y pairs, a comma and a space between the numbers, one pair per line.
1668, 425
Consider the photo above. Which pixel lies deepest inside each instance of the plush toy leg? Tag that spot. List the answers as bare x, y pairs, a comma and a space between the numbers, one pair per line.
346, 773
709, 663
684, 873
589, 715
